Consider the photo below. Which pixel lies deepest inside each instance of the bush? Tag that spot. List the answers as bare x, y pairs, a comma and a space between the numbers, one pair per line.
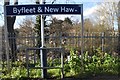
99, 63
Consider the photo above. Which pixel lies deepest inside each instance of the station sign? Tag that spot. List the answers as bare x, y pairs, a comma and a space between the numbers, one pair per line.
43, 9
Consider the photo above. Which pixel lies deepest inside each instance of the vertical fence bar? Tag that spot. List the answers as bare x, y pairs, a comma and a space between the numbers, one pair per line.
102, 36
119, 28
82, 37
62, 63
91, 41
33, 36
82, 32
27, 62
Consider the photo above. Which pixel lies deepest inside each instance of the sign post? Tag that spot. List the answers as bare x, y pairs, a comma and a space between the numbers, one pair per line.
43, 53
119, 27
82, 35
47, 9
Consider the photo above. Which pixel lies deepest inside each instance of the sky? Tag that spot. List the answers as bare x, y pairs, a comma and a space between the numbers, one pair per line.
89, 7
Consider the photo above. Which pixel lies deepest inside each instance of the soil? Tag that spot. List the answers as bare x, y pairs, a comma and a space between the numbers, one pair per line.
97, 77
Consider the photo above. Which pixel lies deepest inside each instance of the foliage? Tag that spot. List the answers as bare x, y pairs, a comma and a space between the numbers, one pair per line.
99, 63
37, 27
37, 30
53, 62
75, 62
54, 73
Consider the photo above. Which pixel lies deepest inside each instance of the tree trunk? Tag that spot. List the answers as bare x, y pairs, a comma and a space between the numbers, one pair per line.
38, 27
11, 32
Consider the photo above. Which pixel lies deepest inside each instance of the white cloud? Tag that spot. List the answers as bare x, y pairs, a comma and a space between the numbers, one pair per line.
87, 13
0, 3
62, 17
1, 15
98, 1
90, 11
19, 19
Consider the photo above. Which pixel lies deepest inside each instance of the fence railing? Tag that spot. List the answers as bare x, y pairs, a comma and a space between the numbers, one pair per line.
108, 42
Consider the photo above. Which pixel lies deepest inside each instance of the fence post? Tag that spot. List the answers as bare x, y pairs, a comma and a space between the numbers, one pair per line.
44, 62
102, 36
62, 63
119, 28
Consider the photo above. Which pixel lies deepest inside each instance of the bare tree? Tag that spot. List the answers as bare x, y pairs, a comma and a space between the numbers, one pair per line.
106, 14
88, 25
25, 34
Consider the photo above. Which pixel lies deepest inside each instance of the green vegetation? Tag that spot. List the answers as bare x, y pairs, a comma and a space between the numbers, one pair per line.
99, 63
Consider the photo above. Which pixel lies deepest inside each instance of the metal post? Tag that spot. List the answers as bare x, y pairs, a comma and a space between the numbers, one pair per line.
82, 34
27, 62
102, 35
82, 31
62, 63
43, 52
42, 27
119, 28
6, 36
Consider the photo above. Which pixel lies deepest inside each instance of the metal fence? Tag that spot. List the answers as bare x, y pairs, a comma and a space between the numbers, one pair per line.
107, 42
